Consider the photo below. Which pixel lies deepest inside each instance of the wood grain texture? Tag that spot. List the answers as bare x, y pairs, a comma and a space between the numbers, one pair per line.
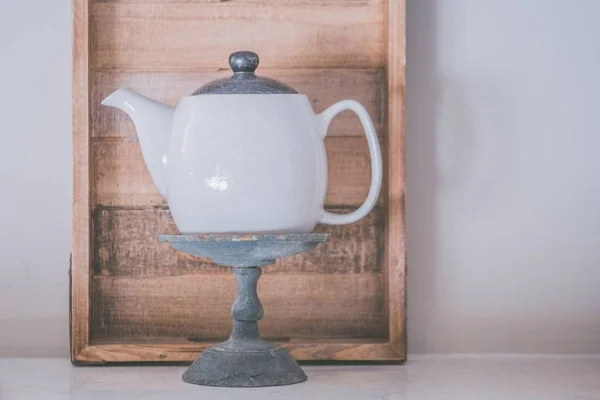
330, 50
121, 179
194, 36
395, 234
323, 88
80, 258
126, 244
198, 306
177, 350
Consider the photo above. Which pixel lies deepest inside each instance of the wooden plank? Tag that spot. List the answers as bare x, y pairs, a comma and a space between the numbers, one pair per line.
395, 235
126, 244
80, 258
323, 88
198, 306
195, 36
120, 177
173, 350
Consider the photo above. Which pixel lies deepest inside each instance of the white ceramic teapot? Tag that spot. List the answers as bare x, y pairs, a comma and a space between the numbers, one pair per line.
243, 154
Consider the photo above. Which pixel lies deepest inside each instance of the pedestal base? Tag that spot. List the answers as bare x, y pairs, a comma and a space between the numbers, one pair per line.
223, 365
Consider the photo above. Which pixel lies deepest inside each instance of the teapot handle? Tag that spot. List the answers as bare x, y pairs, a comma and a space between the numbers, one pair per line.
374, 151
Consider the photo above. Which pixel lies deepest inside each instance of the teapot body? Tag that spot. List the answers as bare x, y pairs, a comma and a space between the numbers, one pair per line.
244, 154
246, 163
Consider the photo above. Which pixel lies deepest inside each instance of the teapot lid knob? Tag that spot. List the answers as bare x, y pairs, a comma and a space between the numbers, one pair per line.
243, 61
243, 80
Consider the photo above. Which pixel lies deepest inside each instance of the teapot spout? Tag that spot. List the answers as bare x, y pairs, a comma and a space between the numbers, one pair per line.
152, 122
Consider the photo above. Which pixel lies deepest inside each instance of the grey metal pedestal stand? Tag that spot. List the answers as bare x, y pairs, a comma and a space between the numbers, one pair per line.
245, 360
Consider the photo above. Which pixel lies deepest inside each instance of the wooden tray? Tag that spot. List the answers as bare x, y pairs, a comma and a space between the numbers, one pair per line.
136, 300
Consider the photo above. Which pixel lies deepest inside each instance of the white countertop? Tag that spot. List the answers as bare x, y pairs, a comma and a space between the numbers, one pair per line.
423, 377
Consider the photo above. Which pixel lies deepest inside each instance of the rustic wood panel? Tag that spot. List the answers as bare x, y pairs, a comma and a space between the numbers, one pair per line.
194, 36
395, 188
329, 49
126, 244
177, 350
120, 177
80, 258
323, 88
198, 306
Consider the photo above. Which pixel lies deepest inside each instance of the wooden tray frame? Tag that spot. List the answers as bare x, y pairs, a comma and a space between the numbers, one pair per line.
394, 349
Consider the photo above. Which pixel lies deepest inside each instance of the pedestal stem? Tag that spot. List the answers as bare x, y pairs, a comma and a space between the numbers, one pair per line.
246, 309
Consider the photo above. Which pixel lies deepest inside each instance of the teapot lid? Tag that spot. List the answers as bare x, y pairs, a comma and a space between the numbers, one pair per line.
243, 80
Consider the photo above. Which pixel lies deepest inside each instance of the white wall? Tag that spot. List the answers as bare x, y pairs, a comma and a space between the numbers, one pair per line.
35, 176
503, 200
503, 175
